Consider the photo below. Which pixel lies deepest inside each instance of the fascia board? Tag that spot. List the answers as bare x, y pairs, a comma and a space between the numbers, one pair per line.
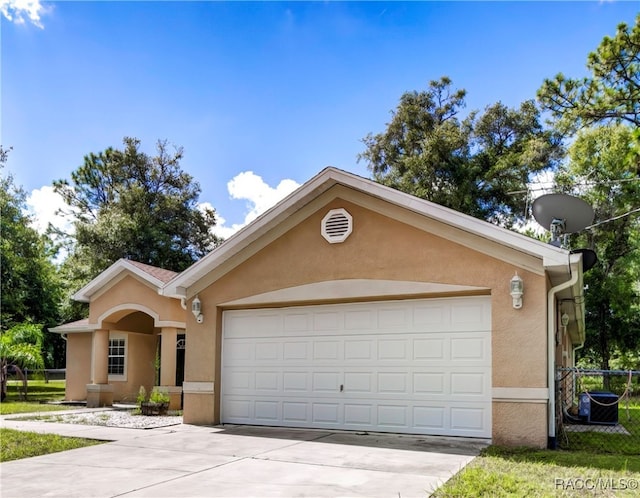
328, 178
110, 276
177, 287
459, 220
62, 329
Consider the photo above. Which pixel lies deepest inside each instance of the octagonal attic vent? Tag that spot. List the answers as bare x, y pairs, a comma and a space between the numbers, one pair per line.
337, 225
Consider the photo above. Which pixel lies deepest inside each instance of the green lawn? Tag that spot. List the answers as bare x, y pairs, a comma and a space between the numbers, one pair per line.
597, 463
501, 472
19, 444
38, 394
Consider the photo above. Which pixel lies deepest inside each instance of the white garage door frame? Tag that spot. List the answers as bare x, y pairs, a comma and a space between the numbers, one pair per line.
418, 366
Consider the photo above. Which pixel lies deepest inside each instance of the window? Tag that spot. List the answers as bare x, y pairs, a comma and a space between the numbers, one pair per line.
117, 357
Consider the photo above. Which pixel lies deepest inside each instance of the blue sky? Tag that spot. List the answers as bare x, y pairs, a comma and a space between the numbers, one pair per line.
279, 89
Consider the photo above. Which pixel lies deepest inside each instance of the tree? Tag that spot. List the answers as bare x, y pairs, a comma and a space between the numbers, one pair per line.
29, 286
20, 348
612, 92
602, 171
130, 205
471, 165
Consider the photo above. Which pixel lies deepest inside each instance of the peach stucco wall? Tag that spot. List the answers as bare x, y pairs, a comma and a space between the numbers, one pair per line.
520, 424
140, 367
78, 373
132, 307
382, 248
130, 290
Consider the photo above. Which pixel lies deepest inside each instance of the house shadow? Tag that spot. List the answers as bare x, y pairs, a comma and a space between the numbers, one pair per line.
408, 442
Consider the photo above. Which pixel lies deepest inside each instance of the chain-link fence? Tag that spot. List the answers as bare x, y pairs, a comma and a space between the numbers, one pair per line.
599, 410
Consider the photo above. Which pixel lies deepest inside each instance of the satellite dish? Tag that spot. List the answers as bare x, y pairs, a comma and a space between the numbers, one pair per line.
589, 258
562, 214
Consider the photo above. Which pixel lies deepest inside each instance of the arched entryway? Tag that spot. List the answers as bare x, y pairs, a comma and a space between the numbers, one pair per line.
132, 348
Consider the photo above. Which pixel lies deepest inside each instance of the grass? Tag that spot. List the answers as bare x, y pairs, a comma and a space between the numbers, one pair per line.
38, 394
597, 462
501, 472
15, 445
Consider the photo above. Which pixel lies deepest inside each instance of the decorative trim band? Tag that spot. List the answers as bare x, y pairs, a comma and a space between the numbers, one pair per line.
520, 394
99, 388
197, 387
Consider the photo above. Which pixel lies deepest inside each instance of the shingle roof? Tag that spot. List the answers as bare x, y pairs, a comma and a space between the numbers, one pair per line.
160, 273
77, 326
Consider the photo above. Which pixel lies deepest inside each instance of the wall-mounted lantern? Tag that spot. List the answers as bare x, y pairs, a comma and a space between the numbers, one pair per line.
196, 309
517, 290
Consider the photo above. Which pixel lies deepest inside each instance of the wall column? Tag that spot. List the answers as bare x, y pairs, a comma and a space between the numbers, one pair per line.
168, 367
168, 356
99, 392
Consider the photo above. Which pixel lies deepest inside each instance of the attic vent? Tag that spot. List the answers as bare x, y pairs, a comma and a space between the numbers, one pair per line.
337, 226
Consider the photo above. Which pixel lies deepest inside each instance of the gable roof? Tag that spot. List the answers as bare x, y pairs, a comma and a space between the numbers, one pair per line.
151, 275
458, 226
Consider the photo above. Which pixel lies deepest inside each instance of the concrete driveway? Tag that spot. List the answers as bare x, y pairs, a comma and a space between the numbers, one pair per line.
236, 461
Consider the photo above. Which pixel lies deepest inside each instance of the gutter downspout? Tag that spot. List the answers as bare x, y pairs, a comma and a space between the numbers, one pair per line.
573, 353
551, 360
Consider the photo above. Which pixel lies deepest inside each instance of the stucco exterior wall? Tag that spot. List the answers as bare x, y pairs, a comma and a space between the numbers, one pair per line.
130, 290
78, 366
520, 424
140, 367
131, 307
382, 248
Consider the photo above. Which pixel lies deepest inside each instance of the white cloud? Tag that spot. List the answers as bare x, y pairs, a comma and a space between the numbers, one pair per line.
43, 205
19, 11
260, 196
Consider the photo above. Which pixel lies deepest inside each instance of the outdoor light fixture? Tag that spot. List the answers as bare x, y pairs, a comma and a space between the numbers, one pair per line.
196, 309
517, 289
564, 320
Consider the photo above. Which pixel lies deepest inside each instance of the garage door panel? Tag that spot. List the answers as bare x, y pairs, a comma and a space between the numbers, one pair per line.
358, 414
406, 366
359, 350
470, 420
430, 349
297, 322
267, 411
469, 348
392, 349
393, 417
364, 319
267, 381
430, 383
295, 351
295, 411
326, 413
255, 325
327, 350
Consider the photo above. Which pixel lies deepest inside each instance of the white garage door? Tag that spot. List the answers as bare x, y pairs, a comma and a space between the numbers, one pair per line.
411, 366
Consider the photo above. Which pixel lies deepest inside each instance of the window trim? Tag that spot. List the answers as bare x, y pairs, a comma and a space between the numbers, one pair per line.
117, 336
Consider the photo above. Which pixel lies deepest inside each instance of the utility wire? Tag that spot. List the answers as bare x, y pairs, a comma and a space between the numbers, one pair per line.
637, 210
548, 185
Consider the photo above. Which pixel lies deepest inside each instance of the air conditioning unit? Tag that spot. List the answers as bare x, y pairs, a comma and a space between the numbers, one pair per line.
598, 407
